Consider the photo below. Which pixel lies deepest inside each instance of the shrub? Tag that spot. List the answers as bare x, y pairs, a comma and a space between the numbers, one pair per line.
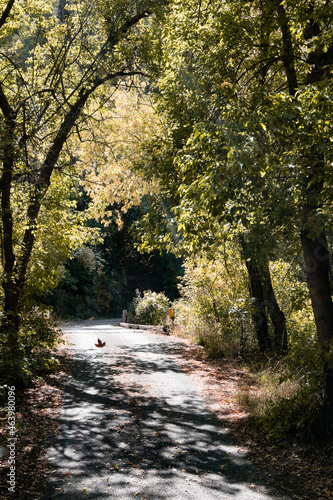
149, 309
214, 308
288, 402
37, 337
294, 417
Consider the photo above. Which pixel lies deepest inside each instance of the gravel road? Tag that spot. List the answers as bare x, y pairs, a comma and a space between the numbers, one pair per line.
135, 426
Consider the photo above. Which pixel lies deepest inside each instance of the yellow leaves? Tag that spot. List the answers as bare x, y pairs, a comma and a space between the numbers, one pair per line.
108, 149
263, 126
59, 232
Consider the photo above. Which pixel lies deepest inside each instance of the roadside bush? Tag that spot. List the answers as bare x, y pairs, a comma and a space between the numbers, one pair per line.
150, 309
38, 336
288, 400
214, 309
291, 396
286, 395
296, 417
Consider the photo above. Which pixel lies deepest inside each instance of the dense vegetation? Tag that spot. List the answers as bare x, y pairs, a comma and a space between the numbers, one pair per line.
101, 280
201, 129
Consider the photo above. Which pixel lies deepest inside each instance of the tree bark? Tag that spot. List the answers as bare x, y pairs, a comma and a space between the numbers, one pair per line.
316, 258
259, 316
11, 317
317, 266
276, 314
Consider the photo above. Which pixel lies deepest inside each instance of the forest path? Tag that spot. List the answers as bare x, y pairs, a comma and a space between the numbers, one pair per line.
135, 425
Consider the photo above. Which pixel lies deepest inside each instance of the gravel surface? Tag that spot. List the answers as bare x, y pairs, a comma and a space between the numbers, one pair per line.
135, 425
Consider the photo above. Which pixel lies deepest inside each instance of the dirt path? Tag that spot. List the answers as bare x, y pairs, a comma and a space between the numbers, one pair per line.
136, 425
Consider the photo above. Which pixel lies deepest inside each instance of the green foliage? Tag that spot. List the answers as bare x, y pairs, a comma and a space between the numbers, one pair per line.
38, 331
292, 404
62, 230
245, 147
100, 280
58, 74
214, 310
149, 309
38, 337
88, 288
299, 416
214, 307
289, 402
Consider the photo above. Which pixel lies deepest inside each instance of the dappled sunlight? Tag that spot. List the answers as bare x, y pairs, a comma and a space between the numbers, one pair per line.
134, 424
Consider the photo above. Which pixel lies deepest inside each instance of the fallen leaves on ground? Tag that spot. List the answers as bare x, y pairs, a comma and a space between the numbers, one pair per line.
36, 424
304, 472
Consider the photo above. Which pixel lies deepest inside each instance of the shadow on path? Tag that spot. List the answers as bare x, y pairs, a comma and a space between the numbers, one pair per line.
126, 437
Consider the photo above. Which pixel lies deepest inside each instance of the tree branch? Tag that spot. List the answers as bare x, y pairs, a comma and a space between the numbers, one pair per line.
5, 107
6, 12
288, 57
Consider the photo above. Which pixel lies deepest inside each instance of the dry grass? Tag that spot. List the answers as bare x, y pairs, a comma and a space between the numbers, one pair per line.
303, 471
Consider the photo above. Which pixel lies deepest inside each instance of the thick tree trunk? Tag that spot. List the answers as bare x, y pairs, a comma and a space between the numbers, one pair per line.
10, 325
316, 258
259, 315
11, 318
276, 314
315, 251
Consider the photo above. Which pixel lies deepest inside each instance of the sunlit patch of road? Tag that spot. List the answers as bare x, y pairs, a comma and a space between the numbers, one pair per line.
135, 425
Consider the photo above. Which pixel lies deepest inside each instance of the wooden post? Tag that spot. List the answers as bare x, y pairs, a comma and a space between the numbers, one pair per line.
172, 313
124, 316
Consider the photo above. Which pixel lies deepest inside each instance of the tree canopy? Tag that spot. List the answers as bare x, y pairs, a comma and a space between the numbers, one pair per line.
218, 115
245, 91
60, 63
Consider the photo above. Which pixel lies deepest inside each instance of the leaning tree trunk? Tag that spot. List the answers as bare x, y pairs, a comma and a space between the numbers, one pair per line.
11, 318
259, 316
276, 314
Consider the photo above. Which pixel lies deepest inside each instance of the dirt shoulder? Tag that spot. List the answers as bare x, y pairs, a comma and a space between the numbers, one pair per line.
304, 472
37, 411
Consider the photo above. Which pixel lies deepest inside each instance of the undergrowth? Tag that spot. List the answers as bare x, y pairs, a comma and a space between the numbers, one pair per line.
38, 337
287, 400
151, 308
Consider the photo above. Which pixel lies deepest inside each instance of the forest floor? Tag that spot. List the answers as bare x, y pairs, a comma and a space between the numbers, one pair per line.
305, 472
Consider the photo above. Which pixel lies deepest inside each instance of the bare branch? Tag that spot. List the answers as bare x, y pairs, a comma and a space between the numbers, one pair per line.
6, 12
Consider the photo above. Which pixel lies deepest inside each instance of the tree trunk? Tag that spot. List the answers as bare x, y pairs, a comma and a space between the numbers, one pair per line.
10, 325
11, 318
276, 314
316, 258
259, 315
317, 265
315, 251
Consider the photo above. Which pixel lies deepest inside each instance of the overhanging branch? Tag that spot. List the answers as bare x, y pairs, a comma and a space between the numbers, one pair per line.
6, 12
